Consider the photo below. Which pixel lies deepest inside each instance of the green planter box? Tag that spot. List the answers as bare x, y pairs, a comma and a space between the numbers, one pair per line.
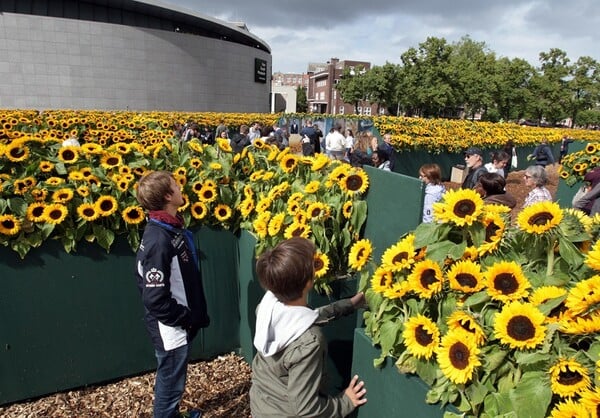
72, 320
389, 392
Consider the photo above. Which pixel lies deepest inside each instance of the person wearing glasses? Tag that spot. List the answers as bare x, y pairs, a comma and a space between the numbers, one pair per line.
535, 177
474, 161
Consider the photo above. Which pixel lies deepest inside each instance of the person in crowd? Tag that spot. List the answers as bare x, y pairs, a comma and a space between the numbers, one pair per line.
309, 138
207, 136
381, 159
542, 154
335, 143
360, 153
499, 160
255, 132
192, 131
240, 140
491, 187
348, 144
386, 145
474, 162
589, 199
288, 370
178, 129
319, 144
535, 177
294, 127
220, 128
168, 278
224, 135
564, 147
431, 175
511, 150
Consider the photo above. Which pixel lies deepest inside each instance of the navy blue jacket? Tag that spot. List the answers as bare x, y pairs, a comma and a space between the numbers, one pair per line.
169, 279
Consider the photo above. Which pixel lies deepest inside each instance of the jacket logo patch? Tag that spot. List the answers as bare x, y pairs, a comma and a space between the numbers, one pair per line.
155, 278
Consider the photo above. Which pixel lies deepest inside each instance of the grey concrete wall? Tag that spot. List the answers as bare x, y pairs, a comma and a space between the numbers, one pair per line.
54, 63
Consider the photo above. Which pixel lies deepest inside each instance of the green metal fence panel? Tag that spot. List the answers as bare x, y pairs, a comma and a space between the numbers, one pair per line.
250, 294
395, 205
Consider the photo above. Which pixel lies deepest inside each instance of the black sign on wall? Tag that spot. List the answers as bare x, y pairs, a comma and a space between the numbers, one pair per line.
260, 70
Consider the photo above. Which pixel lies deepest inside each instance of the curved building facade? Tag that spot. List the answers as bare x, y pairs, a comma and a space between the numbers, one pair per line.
123, 54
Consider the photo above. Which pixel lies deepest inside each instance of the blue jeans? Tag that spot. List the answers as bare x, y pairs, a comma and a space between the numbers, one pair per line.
170, 381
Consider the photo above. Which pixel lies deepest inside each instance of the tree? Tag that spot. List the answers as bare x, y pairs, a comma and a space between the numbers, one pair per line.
351, 86
380, 83
510, 87
584, 86
301, 101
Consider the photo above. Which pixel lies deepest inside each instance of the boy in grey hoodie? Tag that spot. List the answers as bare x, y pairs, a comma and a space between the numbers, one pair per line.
287, 371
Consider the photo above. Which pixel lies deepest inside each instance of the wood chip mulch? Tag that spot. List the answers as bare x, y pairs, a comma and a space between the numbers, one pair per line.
219, 388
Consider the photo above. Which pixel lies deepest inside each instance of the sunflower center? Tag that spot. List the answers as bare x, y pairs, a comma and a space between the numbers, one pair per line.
55, 214
428, 278
466, 280
88, 211
569, 377
37, 211
106, 205
521, 328
555, 313
459, 355
354, 182
422, 336
68, 155
17, 152
318, 264
540, 218
8, 224
464, 208
506, 283
466, 325
400, 257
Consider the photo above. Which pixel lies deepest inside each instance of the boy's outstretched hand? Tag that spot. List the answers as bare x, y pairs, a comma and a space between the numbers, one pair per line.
356, 391
358, 301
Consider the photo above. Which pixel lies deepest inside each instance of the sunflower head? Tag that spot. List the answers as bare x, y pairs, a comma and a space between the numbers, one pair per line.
540, 217
461, 207
568, 377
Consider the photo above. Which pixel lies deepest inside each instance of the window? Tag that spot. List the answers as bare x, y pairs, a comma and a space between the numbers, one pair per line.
367, 111
359, 110
342, 110
334, 94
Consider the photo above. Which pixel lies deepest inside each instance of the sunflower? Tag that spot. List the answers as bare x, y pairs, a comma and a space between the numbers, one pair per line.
288, 163
465, 276
261, 224
317, 210
83, 191
312, 187
520, 325
457, 356
46, 166
540, 217
426, 278
382, 280
297, 229
569, 409
591, 400
339, 173
133, 215
263, 204
421, 336
360, 253
207, 194
580, 324
494, 230
16, 152
9, 225
92, 148
355, 183
506, 282
584, 296
593, 257
224, 145
275, 224
246, 207
397, 290
106, 205
544, 294
39, 195
35, 212
568, 378
347, 209
321, 264
461, 207
88, 212
62, 195
319, 161
400, 255
55, 213
111, 160
463, 322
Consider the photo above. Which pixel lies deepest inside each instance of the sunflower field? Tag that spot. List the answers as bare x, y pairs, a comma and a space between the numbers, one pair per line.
87, 192
498, 319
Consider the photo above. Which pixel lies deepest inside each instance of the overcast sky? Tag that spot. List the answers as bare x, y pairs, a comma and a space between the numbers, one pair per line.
377, 31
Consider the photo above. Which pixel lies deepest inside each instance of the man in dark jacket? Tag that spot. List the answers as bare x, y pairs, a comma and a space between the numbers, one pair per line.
240, 140
474, 161
168, 277
309, 138
542, 154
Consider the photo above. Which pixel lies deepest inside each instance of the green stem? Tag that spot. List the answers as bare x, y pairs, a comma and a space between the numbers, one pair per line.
550, 261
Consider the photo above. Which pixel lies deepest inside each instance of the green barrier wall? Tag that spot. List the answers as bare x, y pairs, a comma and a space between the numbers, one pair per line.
76, 319
389, 392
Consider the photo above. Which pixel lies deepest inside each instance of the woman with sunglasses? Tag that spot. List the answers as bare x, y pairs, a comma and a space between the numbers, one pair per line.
535, 177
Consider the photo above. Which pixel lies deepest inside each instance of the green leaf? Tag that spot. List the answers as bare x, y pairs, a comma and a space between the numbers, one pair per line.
389, 333
104, 236
532, 395
439, 251
427, 371
570, 253
17, 205
476, 299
